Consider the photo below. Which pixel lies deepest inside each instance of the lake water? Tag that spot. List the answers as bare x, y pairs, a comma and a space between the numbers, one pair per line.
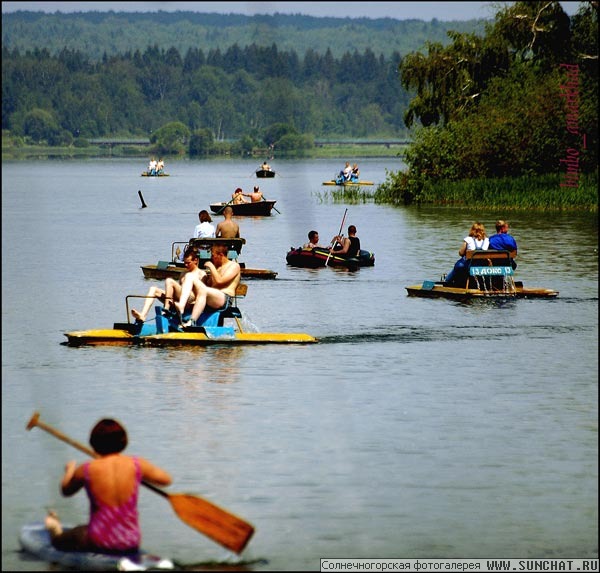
416, 428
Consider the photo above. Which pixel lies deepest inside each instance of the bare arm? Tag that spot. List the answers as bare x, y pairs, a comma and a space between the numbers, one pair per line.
72, 480
154, 474
218, 280
345, 246
463, 249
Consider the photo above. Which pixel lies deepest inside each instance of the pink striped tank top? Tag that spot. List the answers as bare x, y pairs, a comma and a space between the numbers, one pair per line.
114, 528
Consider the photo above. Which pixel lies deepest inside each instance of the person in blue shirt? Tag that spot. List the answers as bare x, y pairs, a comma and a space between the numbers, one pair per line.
502, 240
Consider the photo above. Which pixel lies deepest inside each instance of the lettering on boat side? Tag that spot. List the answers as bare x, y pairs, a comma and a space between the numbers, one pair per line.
491, 271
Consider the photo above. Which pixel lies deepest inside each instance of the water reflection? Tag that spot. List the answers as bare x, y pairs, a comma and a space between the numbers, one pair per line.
378, 440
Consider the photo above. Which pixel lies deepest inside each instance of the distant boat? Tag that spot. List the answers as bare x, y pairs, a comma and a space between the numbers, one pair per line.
155, 174
256, 208
264, 173
340, 181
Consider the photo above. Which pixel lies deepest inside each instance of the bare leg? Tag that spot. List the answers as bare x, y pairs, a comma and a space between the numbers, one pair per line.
173, 292
207, 296
190, 285
153, 293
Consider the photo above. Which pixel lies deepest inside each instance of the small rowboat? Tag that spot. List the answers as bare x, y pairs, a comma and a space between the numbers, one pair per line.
265, 173
490, 276
148, 174
166, 330
174, 268
347, 183
257, 208
35, 539
319, 257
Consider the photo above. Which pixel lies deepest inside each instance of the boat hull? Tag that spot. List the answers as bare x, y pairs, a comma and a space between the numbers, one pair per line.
159, 272
166, 330
257, 209
347, 183
319, 257
146, 174
439, 290
35, 539
123, 337
265, 173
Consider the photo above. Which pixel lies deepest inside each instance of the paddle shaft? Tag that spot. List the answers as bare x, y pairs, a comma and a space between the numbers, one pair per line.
333, 240
225, 528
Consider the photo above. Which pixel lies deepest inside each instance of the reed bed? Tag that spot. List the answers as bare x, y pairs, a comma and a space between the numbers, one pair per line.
541, 192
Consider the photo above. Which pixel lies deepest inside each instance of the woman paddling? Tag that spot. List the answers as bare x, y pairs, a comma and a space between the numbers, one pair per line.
112, 483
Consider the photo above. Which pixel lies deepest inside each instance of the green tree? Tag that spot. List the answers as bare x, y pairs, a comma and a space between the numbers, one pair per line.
40, 125
172, 138
201, 142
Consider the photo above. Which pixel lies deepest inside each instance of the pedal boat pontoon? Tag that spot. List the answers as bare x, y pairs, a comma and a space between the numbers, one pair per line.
213, 327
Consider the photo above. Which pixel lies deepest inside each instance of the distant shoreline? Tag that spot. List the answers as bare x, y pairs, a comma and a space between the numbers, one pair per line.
100, 151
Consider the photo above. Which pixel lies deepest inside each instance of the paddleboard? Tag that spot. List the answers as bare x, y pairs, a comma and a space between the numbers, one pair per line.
35, 539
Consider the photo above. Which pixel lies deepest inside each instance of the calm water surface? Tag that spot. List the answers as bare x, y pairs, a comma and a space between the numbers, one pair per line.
416, 428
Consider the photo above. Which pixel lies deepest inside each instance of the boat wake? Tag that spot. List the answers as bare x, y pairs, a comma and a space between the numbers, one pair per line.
411, 334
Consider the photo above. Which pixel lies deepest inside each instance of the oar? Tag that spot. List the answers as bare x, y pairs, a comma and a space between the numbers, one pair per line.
221, 526
274, 208
223, 207
333, 240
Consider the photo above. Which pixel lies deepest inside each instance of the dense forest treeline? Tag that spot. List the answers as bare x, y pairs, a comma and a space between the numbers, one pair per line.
100, 34
237, 92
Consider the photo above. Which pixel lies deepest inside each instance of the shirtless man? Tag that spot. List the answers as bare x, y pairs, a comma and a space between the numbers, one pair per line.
256, 195
228, 228
175, 291
215, 290
313, 240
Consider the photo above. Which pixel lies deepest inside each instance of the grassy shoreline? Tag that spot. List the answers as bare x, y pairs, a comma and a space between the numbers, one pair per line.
96, 151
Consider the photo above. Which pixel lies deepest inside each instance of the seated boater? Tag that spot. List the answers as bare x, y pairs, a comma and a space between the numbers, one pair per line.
173, 289
197, 289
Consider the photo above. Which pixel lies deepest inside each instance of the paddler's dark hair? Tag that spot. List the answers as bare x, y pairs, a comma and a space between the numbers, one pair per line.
108, 437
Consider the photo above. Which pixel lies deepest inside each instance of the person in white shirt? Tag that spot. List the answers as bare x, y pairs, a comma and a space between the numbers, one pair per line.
205, 228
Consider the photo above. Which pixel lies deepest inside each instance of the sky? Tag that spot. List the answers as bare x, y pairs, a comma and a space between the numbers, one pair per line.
399, 10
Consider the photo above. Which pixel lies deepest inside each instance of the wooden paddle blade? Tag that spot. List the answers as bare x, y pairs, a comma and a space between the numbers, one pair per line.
221, 526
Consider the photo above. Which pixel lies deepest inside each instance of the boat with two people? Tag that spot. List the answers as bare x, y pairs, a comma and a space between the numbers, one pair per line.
350, 175
174, 268
155, 169
316, 257
166, 329
246, 209
488, 274
342, 252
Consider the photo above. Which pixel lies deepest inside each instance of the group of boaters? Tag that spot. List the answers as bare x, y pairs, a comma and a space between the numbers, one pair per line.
238, 196
156, 167
342, 246
349, 173
477, 240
